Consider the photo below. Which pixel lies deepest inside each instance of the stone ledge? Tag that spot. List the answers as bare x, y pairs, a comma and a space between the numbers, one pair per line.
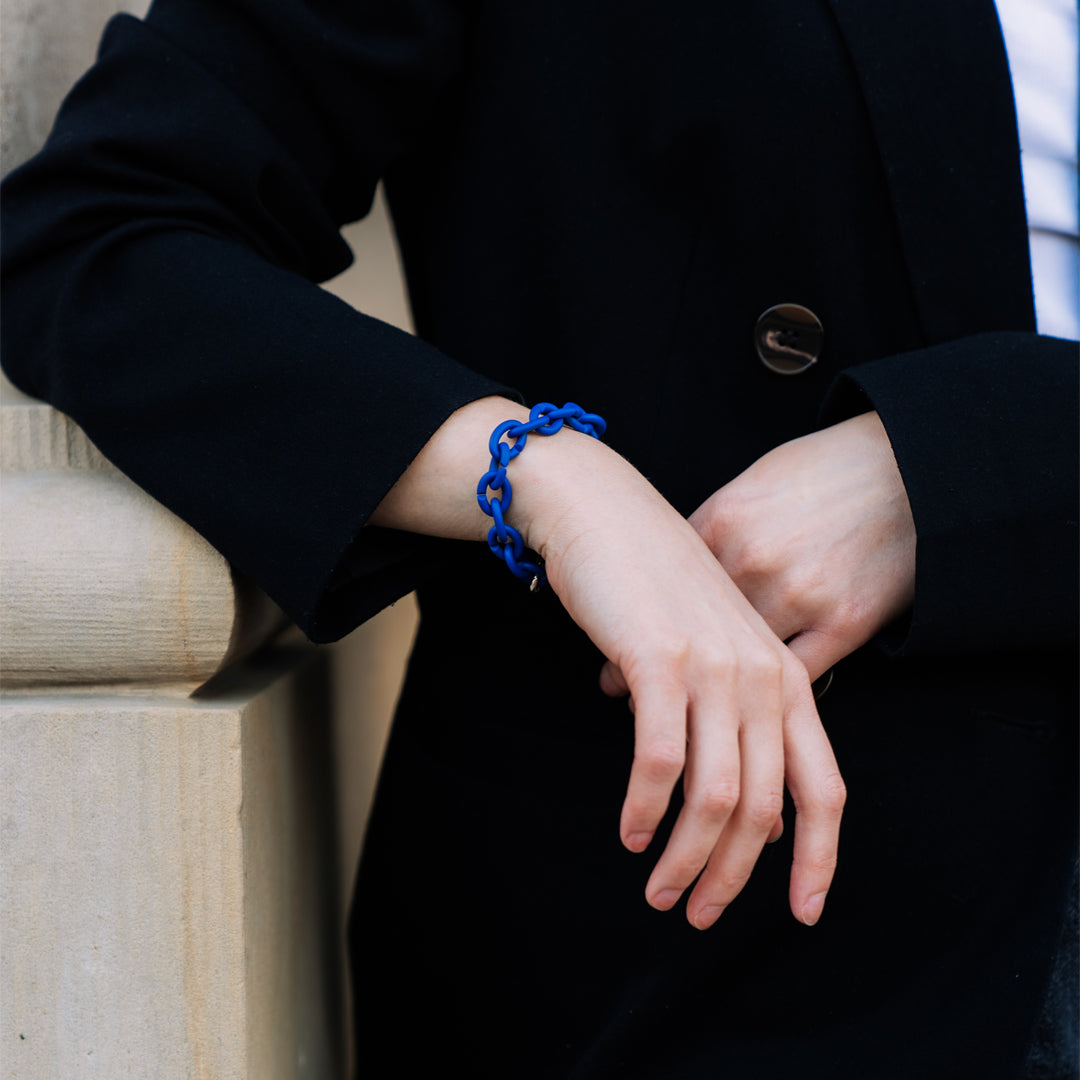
99, 582
35, 437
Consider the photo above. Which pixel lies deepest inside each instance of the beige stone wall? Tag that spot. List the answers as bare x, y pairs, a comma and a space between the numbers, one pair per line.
44, 46
168, 881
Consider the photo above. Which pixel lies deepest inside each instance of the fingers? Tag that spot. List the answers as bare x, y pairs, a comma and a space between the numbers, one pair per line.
713, 790
749, 828
659, 757
612, 681
734, 768
733, 784
818, 791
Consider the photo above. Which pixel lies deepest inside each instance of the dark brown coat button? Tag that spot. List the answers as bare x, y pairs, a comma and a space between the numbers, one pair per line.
788, 339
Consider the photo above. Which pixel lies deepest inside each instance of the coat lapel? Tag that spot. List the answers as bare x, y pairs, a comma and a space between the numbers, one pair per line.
936, 82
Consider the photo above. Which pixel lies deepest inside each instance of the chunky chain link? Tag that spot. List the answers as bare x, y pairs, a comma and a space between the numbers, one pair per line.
506, 442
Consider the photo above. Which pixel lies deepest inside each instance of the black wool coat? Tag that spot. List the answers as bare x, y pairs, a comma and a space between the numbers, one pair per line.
595, 202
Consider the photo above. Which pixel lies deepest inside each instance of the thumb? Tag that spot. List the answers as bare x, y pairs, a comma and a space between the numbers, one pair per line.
612, 681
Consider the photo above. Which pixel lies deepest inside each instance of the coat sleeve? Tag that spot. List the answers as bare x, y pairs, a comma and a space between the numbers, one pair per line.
984, 429
161, 256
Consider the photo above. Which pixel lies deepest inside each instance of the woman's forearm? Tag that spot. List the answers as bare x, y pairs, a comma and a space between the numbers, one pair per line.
719, 701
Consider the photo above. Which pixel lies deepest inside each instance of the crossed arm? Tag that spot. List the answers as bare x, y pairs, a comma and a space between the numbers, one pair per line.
814, 545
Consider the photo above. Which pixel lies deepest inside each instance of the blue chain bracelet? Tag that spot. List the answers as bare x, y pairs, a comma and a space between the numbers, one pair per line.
544, 419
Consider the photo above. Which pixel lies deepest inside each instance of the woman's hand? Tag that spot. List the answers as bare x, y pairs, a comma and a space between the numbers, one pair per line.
719, 700
818, 535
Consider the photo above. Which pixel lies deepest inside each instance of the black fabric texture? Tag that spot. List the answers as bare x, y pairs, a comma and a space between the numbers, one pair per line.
595, 203
997, 586
185, 333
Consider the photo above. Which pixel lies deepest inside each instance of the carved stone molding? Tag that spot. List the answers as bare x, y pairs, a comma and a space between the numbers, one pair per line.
98, 582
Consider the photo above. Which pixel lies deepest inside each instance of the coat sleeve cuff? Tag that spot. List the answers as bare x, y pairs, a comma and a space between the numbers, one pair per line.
984, 430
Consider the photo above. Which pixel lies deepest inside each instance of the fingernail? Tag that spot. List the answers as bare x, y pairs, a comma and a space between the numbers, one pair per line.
638, 841
666, 900
811, 911
707, 916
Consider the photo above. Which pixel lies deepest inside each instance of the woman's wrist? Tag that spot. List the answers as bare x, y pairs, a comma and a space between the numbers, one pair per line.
436, 494
494, 492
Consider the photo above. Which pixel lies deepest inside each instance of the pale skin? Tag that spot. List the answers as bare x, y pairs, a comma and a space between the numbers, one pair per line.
813, 545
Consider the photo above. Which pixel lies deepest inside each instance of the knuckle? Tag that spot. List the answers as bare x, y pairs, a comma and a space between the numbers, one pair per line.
717, 801
683, 869
769, 665
833, 793
712, 661
719, 519
661, 761
763, 812
660, 667
799, 588
729, 883
756, 557
813, 584
670, 654
819, 862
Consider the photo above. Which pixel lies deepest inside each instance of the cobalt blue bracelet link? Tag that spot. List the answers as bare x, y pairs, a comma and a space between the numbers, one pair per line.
544, 419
